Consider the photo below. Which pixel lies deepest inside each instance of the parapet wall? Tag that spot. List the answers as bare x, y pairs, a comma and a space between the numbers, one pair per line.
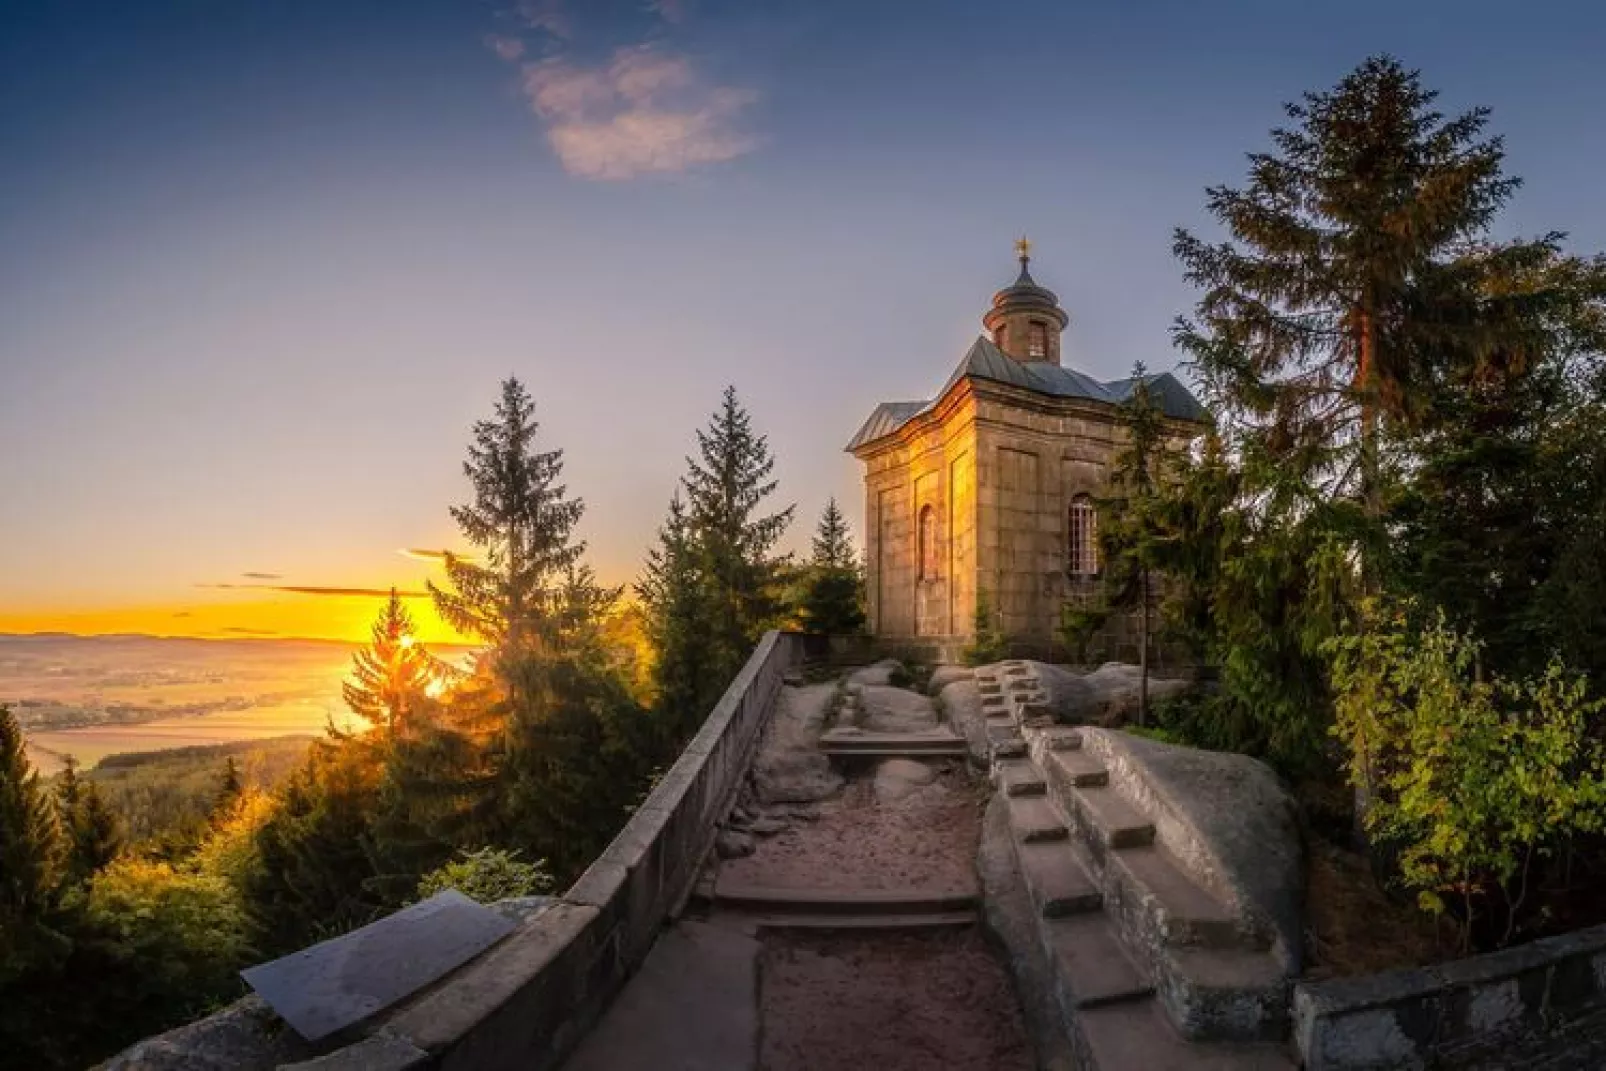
1467, 1009
528, 1000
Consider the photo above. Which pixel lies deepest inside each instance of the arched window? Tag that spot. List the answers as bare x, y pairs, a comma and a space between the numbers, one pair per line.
1037, 339
928, 543
1082, 538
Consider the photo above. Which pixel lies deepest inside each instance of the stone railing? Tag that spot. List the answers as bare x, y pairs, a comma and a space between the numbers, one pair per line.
1477, 1008
527, 1001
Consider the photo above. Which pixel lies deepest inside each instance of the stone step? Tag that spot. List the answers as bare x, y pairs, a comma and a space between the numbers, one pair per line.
1005, 744
1033, 819
783, 900
837, 742
1184, 913
930, 920
1137, 1035
1112, 821
1058, 883
1078, 769
1235, 993
1019, 777
1062, 739
1090, 965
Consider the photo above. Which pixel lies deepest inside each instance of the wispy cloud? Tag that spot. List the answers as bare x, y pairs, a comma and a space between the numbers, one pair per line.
671, 11
547, 16
421, 554
235, 630
316, 589
647, 111
263, 576
506, 48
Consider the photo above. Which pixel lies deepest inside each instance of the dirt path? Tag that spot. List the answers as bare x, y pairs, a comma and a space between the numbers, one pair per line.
888, 1002
880, 1000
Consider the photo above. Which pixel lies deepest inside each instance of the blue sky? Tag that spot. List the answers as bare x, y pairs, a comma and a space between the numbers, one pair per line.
263, 262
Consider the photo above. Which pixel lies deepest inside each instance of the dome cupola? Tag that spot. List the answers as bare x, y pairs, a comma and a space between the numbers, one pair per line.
1026, 319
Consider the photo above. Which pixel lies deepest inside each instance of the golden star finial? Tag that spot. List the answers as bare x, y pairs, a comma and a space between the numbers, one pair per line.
1023, 247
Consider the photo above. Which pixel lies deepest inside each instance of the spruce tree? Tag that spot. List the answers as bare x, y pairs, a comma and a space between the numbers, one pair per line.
1327, 310
727, 486
230, 790
31, 857
676, 601
93, 834
1131, 531
521, 522
833, 587
392, 676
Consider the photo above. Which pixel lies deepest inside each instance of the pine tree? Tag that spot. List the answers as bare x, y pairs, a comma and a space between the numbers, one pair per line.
726, 488
1342, 287
1131, 531
230, 789
93, 834
31, 856
676, 601
392, 676
833, 587
522, 524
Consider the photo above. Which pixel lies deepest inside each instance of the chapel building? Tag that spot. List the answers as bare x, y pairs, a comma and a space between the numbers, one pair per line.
989, 486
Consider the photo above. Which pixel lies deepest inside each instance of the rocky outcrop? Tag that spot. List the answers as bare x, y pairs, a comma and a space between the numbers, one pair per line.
1108, 696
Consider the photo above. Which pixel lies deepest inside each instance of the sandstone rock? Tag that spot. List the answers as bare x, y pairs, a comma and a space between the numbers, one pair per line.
1108, 696
943, 676
880, 673
961, 704
896, 779
767, 826
733, 844
789, 767
897, 710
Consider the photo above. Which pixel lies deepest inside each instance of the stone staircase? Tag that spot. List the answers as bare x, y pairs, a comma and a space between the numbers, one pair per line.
1150, 969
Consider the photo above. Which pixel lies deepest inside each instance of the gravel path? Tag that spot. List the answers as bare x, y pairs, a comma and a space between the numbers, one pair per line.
888, 1002
925, 841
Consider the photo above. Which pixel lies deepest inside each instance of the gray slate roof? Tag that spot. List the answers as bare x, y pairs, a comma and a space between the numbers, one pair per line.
987, 361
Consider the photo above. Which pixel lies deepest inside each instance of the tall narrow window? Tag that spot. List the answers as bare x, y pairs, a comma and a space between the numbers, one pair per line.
1037, 339
928, 543
1082, 549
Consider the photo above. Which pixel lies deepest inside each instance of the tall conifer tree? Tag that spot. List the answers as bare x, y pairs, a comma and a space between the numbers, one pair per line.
727, 487
522, 524
833, 592
676, 601
1329, 307
31, 857
390, 677
93, 836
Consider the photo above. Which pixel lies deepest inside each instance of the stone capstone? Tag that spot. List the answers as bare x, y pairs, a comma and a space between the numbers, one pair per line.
245, 1036
896, 779
896, 710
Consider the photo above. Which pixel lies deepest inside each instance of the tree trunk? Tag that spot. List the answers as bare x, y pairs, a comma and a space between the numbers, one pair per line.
1372, 505
1143, 651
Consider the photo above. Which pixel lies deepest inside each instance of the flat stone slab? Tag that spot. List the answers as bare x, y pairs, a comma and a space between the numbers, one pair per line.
347, 979
692, 1006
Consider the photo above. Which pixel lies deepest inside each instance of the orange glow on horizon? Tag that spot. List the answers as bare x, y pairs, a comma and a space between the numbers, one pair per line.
346, 618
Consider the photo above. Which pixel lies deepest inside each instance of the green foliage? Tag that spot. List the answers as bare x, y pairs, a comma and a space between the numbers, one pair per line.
987, 645
727, 486
391, 677
314, 877
92, 831
31, 860
832, 601
1475, 779
488, 875
174, 937
1133, 533
521, 523
713, 584
165, 800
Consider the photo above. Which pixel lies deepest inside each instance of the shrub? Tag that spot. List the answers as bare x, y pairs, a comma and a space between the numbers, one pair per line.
1472, 779
988, 645
488, 875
